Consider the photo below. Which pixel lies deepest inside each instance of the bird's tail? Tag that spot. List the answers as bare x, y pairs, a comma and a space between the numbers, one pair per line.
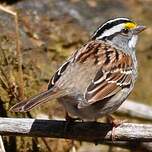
43, 97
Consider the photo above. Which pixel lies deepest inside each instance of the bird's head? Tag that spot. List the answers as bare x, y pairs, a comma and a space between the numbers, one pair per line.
121, 32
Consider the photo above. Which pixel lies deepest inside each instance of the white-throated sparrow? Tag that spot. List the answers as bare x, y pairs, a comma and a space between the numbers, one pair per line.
98, 77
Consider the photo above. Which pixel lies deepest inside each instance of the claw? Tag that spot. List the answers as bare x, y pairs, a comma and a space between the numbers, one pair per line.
115, 123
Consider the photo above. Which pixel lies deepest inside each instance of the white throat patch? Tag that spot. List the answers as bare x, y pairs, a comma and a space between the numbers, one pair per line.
133, 41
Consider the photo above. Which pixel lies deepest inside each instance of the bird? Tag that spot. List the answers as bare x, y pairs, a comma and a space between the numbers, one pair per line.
98, 77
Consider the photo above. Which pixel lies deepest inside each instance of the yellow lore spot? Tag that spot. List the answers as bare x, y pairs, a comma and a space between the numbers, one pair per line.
130, 25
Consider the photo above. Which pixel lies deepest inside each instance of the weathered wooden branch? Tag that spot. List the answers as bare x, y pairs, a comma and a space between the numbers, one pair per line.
136, 110
83, 131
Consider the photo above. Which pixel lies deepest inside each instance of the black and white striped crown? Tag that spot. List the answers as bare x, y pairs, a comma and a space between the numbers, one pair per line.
109, 28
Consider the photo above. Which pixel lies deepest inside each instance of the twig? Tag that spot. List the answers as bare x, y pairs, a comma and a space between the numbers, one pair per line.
19, 56
3, 82
136, 110
7, 84
83, 131
18, 51
2, 149
46, 144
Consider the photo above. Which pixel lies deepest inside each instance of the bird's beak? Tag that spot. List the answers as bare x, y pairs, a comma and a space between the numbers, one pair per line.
139, 29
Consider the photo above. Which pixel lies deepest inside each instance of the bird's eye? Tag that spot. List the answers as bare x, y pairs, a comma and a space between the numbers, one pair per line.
125, 31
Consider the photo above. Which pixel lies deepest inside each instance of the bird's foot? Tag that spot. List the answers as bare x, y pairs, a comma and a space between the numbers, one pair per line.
115, 123
69, 121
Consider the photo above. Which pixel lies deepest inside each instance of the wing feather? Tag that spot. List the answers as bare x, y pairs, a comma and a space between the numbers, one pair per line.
114, 74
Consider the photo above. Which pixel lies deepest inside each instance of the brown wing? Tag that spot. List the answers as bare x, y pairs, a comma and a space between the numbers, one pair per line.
58, 74
114, 74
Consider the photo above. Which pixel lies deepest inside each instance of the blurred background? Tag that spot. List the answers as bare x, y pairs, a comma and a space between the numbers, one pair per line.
50, 30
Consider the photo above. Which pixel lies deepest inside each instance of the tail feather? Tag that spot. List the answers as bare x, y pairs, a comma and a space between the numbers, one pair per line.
43, 97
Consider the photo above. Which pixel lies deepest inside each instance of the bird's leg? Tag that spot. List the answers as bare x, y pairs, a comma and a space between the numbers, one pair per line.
69, 119
115, 123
